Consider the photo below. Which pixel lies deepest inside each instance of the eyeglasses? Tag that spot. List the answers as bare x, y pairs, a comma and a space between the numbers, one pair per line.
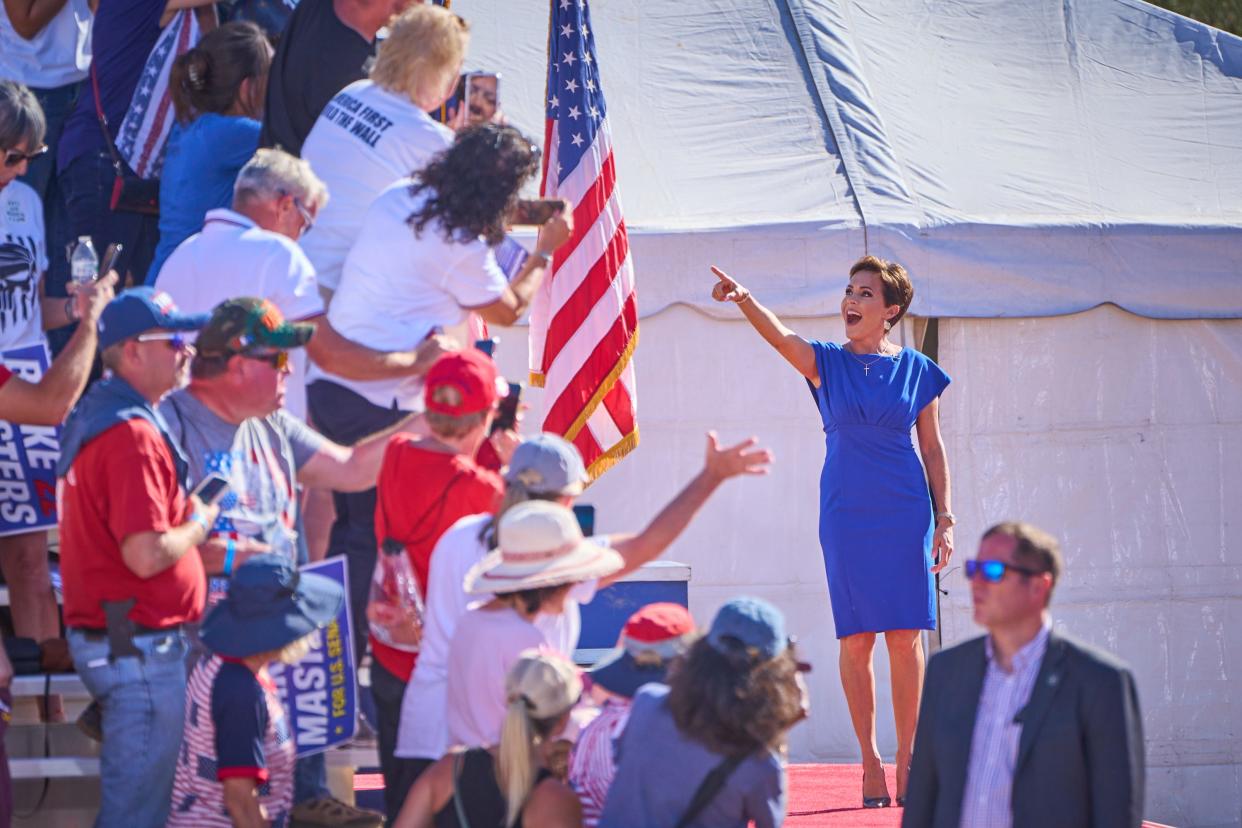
176, 341
277, 359
12, 157
308, 221
993, 572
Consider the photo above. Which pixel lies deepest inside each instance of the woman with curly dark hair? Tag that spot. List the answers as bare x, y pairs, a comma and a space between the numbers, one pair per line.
425, 258
704, 751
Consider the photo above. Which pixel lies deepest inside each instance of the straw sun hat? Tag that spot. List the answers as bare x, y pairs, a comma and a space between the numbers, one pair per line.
540, 546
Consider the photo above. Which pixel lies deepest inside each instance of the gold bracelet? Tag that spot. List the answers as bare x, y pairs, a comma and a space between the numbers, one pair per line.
745, 298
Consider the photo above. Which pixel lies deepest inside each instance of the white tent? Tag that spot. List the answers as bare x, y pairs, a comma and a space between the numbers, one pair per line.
1063, 178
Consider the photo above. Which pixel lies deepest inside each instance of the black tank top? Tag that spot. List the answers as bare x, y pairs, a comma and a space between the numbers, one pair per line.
480, 794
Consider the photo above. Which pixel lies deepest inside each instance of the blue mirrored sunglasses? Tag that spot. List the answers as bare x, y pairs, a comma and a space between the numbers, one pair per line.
993, 572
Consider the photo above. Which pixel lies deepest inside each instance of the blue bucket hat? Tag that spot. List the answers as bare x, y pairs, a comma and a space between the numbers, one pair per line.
750, 624
141, 309
650, 640
269, 605
547, 464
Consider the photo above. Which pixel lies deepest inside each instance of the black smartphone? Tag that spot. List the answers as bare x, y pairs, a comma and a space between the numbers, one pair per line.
211, 488
535, 212
585, 513
506, 412
108, 262
487, 346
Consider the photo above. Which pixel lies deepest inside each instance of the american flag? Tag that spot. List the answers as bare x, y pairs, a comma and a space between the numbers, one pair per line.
584, 320
149, 119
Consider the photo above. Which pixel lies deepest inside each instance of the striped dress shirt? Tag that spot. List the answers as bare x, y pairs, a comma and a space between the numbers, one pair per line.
994, 746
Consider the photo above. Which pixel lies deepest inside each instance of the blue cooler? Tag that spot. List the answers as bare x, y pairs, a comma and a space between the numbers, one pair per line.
603, 618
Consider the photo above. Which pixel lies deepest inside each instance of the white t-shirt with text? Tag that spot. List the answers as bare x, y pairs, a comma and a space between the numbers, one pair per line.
398, 287
231, 257
23, 261
365, 139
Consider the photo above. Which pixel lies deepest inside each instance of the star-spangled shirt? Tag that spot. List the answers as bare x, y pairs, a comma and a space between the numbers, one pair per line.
575, 100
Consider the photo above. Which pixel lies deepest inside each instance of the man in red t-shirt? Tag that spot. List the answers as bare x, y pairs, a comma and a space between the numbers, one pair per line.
425, 486
128, 537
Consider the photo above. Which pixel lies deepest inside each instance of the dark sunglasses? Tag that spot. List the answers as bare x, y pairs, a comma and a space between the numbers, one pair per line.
276, 359
993, 572
12, 157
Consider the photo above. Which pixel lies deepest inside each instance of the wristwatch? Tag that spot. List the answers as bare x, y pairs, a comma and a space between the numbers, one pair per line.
545, 258
947, 516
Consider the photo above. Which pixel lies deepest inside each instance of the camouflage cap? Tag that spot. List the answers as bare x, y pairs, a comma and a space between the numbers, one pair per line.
247, 324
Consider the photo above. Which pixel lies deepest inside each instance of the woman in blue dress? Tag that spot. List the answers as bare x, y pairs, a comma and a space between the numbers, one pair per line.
882, 537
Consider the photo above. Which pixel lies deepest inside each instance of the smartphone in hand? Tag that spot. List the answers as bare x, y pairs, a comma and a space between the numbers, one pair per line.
536, 211
211, 489
108, 262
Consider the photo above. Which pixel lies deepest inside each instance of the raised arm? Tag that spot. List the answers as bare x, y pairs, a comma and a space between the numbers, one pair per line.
509, 308
48, 401
719, 465
796, 350
936, 462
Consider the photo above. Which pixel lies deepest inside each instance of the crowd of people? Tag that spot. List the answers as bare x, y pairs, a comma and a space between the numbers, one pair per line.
293, 310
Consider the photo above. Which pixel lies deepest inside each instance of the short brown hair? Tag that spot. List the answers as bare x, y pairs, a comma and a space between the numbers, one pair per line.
1033, 547
898, 289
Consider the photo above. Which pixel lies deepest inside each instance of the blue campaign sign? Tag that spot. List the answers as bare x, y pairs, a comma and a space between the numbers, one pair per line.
320, 692
28, 456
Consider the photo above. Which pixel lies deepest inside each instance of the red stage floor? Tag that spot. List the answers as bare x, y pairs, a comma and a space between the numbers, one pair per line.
819, 795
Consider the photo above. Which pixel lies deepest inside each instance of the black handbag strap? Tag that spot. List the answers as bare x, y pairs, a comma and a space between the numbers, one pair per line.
709, 788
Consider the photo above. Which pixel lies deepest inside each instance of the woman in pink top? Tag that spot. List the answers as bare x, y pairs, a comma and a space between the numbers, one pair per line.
541, 555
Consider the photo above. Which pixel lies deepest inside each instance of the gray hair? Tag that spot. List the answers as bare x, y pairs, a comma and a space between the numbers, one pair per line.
21, 118
273, 173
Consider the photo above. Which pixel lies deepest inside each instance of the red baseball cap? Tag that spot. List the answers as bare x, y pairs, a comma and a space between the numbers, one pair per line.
472, 374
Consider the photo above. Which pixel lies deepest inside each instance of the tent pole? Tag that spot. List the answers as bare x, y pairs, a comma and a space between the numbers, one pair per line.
928, 343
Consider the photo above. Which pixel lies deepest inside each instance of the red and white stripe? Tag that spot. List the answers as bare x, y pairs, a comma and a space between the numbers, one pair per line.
584, 320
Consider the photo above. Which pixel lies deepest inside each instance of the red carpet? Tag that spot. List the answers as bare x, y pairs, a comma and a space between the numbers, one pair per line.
832, 795
819, 795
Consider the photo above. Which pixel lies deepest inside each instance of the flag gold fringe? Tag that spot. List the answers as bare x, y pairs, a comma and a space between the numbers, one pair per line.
536, 379
613, 456
609, 381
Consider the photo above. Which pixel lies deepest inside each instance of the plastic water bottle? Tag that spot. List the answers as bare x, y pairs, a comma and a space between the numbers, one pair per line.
84, 263
395, 584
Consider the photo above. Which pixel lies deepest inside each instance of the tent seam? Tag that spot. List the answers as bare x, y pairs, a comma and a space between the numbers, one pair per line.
836, 126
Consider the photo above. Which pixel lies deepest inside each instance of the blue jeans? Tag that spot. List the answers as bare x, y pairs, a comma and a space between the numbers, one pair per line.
143, 707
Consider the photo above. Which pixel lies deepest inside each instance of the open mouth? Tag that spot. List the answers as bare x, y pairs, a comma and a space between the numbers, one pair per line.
852, 317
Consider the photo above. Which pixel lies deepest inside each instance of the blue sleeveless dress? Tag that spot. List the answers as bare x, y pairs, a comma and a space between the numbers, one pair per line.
875, 520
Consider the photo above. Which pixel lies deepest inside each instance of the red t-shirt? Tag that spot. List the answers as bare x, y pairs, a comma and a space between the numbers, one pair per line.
421, 494
5, 374
121, 483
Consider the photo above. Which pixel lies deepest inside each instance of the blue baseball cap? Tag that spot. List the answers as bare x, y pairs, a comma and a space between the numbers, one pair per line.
751, 624
547, 464
141, 309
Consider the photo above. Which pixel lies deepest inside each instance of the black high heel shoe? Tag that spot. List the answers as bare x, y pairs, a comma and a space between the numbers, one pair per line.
874, 801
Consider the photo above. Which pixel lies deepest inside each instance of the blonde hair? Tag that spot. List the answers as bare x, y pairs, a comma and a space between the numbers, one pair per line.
291, 653
272, 173
541, 688
422, 53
